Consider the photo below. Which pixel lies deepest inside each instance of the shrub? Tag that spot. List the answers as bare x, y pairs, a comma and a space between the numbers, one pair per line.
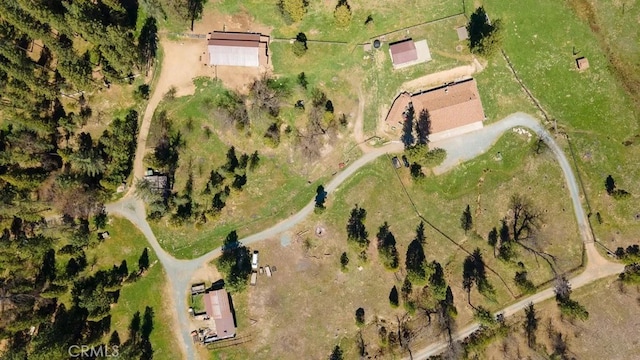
143, 91
299, 48
342, 14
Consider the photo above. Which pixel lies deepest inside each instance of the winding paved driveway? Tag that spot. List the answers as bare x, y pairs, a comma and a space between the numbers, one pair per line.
461, 148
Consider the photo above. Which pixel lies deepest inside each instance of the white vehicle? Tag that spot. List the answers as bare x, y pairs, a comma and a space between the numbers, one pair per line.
254, 260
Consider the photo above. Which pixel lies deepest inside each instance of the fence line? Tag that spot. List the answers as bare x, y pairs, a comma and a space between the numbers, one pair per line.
417, 25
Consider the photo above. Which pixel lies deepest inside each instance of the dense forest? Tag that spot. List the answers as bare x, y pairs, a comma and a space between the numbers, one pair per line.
52, 54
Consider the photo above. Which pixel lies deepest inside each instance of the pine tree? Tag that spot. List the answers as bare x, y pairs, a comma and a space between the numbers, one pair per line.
466, 221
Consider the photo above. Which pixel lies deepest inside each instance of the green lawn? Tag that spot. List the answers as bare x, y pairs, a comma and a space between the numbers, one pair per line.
197, 303
591, 106
127, 243
318, 22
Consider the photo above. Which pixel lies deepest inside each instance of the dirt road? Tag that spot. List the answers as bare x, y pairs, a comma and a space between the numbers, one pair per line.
176, 71
442, 77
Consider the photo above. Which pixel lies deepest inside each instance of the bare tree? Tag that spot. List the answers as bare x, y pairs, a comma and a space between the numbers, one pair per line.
266, 93
562, 289
524, 218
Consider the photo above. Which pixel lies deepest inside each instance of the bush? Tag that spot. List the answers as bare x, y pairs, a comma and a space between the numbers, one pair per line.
299, 48
360, 316
435, 157
272, 135
302, 80
523, 283
620, 194
631, 274
344, 261
342, 14
292, 10
143, 91
573, 309
630, 255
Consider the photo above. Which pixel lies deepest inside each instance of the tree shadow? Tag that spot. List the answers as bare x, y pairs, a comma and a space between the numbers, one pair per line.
217, 285
407, 127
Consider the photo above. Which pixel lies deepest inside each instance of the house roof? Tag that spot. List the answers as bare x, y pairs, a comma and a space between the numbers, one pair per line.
216, 304
403, 51
399, 106
450, 106
158, 182
221, 35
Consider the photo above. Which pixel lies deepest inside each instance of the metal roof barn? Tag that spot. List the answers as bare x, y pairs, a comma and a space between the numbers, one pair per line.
234, 49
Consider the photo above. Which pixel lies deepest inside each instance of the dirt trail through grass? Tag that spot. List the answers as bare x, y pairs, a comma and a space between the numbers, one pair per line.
180, 66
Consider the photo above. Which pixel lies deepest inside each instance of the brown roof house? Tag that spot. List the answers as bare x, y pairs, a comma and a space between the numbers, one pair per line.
406, 53
453, 109
217, 307
237, 49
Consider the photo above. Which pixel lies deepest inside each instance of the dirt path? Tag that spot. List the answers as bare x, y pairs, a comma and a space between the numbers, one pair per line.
442, 77
358, 126
180, 64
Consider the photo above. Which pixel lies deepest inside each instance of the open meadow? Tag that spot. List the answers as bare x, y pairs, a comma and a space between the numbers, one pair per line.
318, 22
593, 107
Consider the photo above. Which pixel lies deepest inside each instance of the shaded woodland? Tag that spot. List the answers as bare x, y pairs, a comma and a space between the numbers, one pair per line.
53, 54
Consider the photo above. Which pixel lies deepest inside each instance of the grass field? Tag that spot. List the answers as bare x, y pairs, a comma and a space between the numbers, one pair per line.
483, 183
281, 178
318, 22
591, 106
127, 243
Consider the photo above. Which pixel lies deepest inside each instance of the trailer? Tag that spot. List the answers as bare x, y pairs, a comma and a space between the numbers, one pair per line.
254, 277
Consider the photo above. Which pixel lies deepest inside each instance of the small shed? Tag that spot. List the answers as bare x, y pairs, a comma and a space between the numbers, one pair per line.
159, 183
403, 51
582, 63
197, 289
